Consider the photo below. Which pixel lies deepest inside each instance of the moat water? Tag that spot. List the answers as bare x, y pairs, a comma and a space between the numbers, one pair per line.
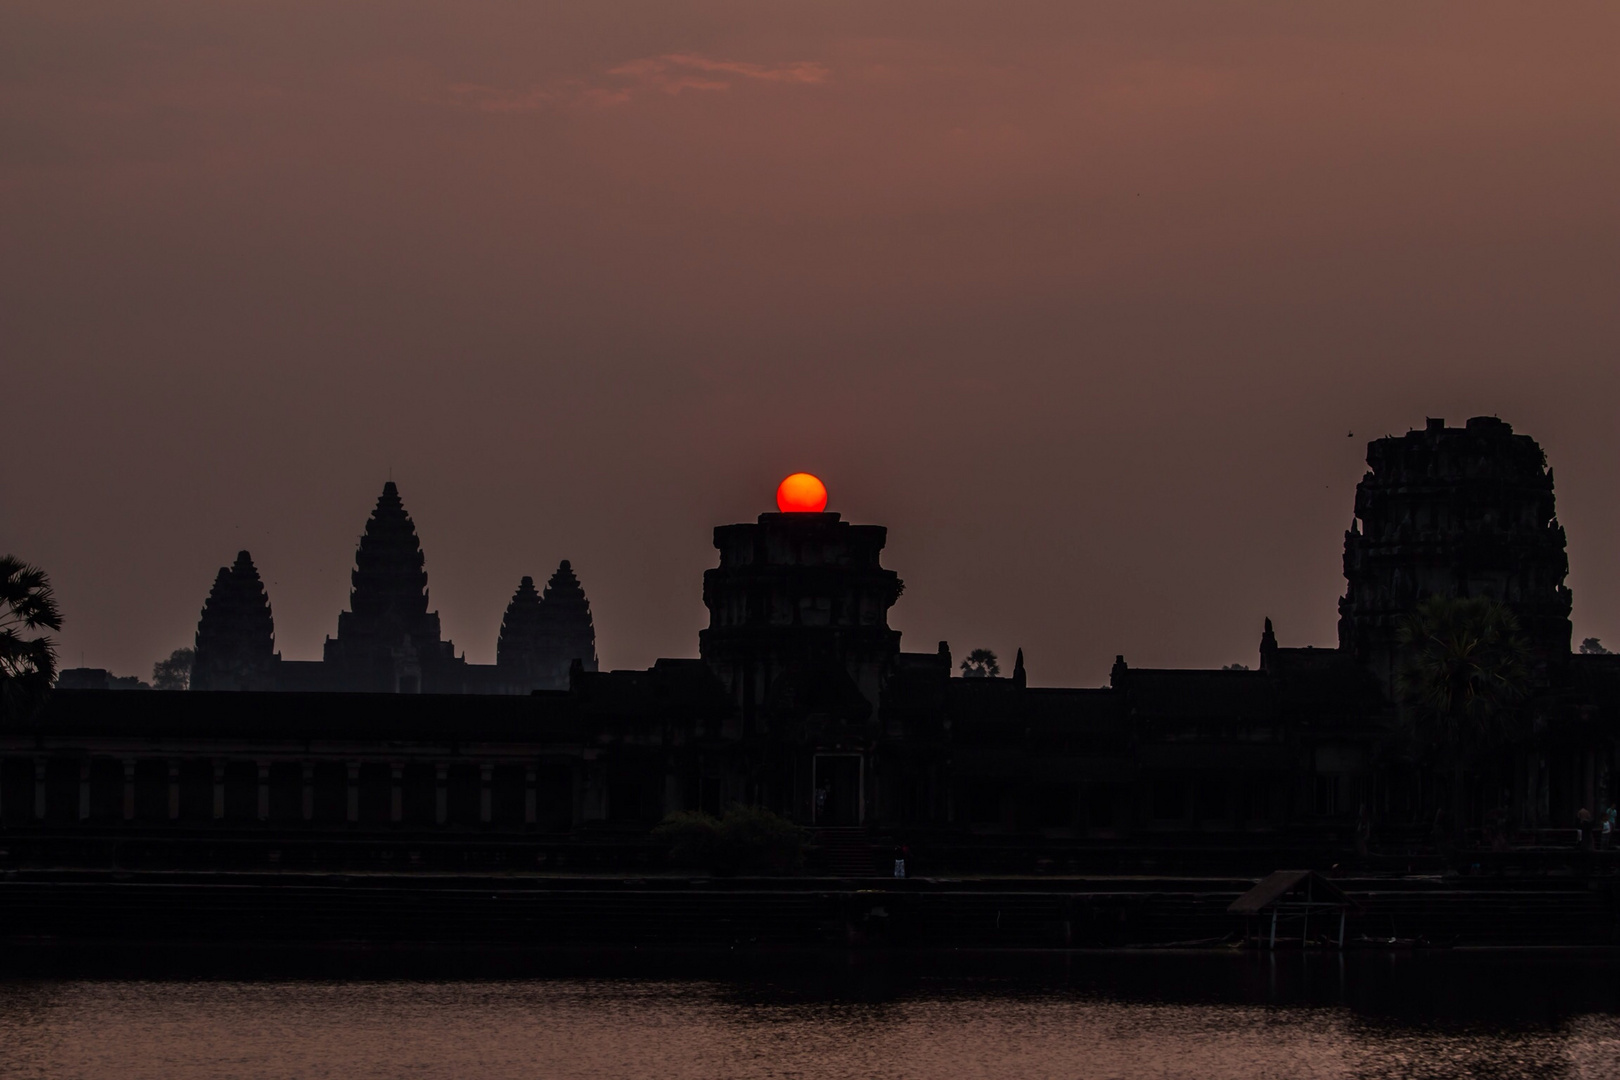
1082, 1016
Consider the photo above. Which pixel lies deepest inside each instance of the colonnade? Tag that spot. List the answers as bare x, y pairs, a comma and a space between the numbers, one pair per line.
57, 788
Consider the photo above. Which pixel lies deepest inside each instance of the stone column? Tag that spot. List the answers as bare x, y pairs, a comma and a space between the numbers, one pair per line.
441, 795
84, 790
485, 803
528, 796
174, 789
309, 791
219, 790
129, 791
264, 791
39, 789
354, 792
592, 797
1529, 791
1544, 792
396, 794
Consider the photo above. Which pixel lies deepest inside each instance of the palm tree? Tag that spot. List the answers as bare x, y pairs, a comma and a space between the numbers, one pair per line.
1465, 671
27, 658
981, 664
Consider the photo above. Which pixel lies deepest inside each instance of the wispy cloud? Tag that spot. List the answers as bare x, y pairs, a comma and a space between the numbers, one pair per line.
672, 73
671, 66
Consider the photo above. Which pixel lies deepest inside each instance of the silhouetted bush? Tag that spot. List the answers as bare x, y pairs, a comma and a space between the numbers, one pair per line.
690, 838
748, 839
175, 672
759, 841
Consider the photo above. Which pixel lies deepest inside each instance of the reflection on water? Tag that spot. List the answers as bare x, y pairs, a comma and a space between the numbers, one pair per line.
1093, 1017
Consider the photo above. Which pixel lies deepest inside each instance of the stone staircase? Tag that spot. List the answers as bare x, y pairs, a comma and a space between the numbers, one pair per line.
846, 852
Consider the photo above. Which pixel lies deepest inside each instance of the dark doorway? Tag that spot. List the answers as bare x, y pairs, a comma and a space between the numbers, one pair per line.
508, 788
837, 790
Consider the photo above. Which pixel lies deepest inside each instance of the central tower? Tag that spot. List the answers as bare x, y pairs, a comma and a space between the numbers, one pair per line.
799, 618
388, 640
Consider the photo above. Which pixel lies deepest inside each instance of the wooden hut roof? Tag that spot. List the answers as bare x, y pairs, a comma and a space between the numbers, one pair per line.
1281, 885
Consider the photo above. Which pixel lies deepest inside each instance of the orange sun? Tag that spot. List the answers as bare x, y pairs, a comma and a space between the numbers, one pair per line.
801, 493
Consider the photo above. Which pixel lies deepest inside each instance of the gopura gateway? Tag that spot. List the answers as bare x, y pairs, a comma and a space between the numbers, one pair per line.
802, 701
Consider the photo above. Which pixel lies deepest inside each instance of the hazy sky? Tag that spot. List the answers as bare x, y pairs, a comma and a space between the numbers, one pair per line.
1082, 300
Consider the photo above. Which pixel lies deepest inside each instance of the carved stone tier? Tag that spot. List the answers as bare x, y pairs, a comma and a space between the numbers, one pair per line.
1453, 512
388, 640
798, 618
236, 636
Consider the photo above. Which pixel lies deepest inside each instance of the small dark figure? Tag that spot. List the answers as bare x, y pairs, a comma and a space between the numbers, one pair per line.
1583, 828
900, 854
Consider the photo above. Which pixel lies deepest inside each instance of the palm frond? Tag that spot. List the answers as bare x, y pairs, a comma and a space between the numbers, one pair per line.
26, 595
1465, 671
27, 663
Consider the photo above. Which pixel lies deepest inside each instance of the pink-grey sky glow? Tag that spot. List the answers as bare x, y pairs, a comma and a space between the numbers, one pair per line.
1083, 300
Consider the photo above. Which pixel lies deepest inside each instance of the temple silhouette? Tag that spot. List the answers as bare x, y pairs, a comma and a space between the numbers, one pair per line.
803, 701
388, 641
1453, 512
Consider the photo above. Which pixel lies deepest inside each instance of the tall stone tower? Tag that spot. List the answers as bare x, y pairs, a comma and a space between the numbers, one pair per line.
1453, 512
566, 631
388, 641
236, 635
542, 636
798, 618
517, 649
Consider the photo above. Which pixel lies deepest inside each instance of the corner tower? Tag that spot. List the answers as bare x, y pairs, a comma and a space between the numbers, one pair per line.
236, 635
1462, 512
517, 649
543, 636
567, 634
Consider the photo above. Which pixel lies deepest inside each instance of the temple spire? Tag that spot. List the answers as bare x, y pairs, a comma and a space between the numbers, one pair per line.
236, 636
388, 639
389, 568
519, 646
566, 632
544, 636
